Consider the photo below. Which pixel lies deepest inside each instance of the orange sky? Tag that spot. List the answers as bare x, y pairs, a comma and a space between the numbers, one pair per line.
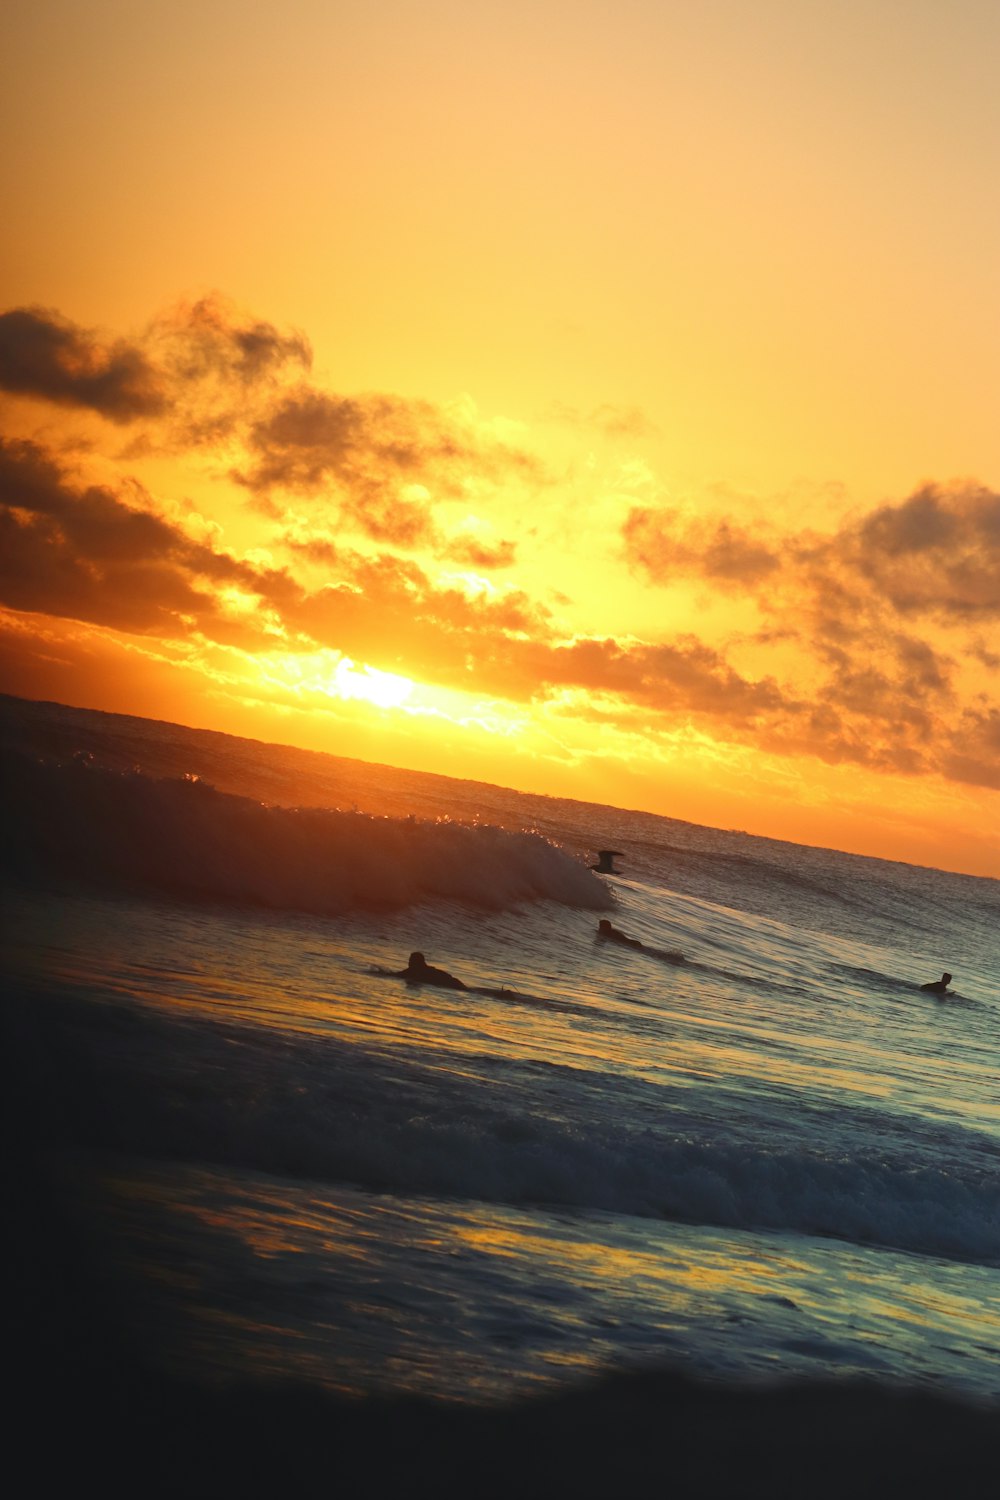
597, 400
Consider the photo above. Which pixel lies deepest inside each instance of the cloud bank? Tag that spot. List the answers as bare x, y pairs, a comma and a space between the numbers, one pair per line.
873, 643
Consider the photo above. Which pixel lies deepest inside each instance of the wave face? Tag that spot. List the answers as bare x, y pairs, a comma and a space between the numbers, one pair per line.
183, 837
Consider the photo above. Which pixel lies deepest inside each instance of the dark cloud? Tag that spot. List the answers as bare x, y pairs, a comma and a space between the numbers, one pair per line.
315, 549
860, 604
205, 373
924, 671
376, 457
875, 625
887, 678
312, 437
680, 678
663, 546
44, 355
190, 372
85, 553
222, 367
211, 337
973, 751
361, 452
936, 553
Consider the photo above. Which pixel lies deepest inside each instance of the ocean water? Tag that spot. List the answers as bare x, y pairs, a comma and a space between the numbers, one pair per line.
752, 1150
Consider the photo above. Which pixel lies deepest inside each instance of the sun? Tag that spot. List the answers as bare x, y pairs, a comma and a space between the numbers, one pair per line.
331, 675
383, 689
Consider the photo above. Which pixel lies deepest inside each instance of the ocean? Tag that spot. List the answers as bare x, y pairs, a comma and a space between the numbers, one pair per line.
751, 1152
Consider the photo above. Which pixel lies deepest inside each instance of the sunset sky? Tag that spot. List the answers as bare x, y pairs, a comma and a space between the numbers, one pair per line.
600, 400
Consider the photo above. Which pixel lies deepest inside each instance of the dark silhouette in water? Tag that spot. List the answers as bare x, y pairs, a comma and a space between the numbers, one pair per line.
608, 934
938, 986
419, 971
613, 935
605, 861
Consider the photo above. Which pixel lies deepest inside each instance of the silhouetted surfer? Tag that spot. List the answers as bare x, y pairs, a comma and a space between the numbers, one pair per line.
938, 986
605, 861
419, 971
613, 935
608, 934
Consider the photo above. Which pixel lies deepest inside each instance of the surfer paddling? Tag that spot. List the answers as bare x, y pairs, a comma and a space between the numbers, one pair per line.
608, 934
419, 971
606, 861
938, 986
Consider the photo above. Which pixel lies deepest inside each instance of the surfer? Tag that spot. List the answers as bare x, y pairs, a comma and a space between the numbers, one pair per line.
938, 986
608, 934
419, 971
605, 861
611, 934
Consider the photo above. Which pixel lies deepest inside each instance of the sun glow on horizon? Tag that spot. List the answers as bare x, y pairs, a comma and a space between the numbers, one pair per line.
313, 675
328, 674
663, 472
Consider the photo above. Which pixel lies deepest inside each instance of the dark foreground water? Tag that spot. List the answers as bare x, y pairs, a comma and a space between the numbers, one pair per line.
720, 1212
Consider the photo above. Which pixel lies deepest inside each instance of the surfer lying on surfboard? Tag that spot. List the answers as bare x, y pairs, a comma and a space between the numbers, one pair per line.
419, 971
606, 933
610, 934
938, 986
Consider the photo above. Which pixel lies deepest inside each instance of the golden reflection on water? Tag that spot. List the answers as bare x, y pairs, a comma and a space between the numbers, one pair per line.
474, 1302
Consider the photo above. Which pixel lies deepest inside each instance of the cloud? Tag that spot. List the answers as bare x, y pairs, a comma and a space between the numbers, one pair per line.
44, 355
212, 337
470, 548
937, 553
387, 611
83, 552
186, 378
664, 546
363, 450
879, 612
476, 552
973, 751
862, 643
223, 368
899, 716
383, 460
684, 677
206, 375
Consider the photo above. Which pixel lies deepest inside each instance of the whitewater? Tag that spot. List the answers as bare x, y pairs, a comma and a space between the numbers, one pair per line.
751, 1150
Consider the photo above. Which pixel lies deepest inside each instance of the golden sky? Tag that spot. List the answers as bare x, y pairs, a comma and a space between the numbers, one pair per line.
599, 400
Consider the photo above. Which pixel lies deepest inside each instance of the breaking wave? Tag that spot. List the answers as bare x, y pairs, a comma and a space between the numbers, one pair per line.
184, 837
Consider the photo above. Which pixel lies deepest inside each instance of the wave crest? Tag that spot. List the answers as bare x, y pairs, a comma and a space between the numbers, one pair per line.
184, 837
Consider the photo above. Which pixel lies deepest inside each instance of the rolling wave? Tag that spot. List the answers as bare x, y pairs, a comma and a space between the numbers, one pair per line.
183, 837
